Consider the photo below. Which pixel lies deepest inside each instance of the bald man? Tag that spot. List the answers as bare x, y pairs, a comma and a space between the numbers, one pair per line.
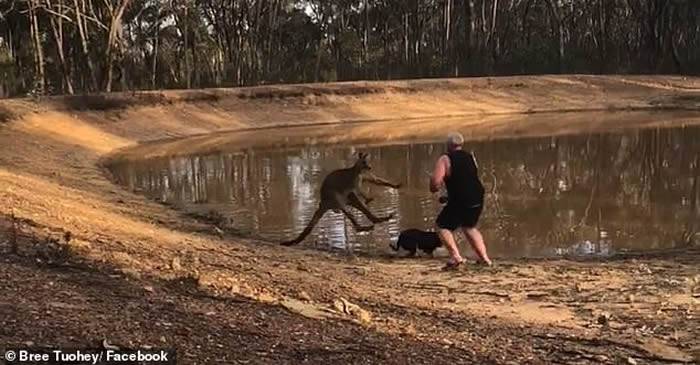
456, 170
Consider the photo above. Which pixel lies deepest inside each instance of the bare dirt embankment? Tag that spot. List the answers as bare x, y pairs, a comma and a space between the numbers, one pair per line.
137, 273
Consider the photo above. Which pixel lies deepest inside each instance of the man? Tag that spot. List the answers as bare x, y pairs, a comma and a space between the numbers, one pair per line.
456, 170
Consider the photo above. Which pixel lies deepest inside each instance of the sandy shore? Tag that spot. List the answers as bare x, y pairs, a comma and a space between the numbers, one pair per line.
137, 273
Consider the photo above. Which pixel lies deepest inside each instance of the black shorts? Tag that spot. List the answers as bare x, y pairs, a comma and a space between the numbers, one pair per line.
453, 217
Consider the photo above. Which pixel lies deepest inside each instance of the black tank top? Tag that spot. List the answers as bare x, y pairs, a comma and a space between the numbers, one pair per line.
463, 185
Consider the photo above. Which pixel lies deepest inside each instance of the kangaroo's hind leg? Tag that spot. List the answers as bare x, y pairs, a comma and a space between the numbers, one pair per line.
314, 220
354, 222
355, 202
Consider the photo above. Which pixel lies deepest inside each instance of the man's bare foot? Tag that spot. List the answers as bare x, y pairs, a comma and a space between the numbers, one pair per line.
453, 265
484, 263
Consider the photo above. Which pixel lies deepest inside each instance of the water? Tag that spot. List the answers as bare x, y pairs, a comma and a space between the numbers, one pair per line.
584, 194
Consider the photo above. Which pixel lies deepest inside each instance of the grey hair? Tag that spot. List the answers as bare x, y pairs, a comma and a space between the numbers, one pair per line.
455, 139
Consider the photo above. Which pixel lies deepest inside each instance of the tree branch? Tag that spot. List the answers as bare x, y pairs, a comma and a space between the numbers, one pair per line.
62, 16
2, 15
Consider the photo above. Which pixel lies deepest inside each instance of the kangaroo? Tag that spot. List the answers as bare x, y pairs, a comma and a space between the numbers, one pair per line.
341, 188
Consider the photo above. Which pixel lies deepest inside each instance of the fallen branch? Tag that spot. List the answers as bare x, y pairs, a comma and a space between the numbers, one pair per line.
431, 287
483, 292
586, 355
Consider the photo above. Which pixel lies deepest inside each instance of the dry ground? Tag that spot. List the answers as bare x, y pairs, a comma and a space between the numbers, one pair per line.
137, 273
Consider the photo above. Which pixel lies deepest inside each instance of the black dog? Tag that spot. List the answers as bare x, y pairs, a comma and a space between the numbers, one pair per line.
413, 239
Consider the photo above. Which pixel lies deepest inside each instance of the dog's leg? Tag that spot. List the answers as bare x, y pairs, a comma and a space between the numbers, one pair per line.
395, 246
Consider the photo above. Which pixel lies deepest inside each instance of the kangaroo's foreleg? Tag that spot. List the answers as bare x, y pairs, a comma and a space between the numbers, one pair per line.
376, 180
354, 222
314, 220
355, 202
368, 199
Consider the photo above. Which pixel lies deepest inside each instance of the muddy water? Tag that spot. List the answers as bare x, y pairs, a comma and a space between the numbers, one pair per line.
585, 194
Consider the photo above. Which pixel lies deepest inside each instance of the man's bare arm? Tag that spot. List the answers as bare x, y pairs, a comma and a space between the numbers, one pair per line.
438, 177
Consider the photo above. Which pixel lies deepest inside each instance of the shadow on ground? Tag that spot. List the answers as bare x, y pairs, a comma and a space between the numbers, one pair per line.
57, 301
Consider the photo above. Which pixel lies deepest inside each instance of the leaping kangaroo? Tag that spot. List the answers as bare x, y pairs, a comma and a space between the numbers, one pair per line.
341, 188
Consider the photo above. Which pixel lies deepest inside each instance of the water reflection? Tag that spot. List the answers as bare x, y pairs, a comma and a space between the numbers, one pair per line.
588, 194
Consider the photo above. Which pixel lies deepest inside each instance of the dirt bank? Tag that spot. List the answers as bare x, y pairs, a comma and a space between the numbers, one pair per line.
227, 298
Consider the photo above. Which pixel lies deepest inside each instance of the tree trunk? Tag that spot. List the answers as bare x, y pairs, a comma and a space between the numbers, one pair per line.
239, 60
182, 24
493, 37
446, 45
406, 58
195, 61
114, 29
603, 24
57, 30
40, 77
319, 53
365, 38
671, 39
556, 15
273, 40
156, 44
188, 71
388, 65
83, 32
470, 35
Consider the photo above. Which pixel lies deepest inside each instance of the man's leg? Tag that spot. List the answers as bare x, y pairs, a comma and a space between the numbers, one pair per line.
476, 240
446, 223
448, 240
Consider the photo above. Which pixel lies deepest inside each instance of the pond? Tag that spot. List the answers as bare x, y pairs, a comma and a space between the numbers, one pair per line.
591, 193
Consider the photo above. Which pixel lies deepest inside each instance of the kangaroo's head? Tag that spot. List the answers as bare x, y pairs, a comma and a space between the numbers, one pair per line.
361, 164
